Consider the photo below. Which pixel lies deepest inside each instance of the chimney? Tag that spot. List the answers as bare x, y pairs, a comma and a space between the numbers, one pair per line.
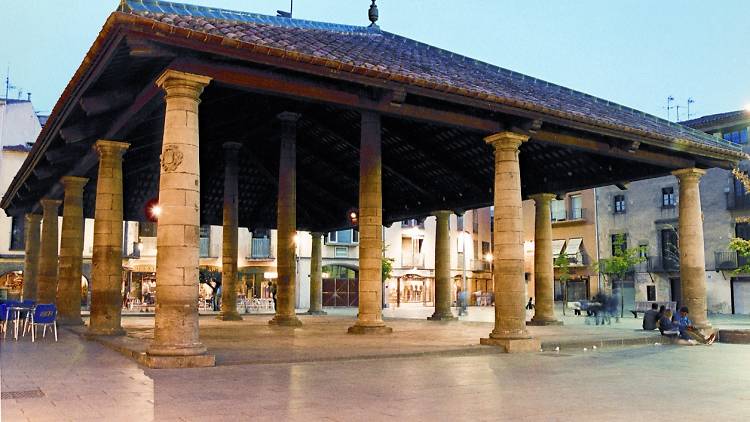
372, 14
28, 96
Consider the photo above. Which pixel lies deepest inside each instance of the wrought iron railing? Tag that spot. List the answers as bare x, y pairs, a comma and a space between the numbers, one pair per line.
260, 248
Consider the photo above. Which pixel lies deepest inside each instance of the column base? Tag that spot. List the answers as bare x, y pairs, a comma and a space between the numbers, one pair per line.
370, 329
316, 312
513, 345
70, 321
543, 322
105, 331
165, 362
705, 326
442, 317
229, 316
285, 321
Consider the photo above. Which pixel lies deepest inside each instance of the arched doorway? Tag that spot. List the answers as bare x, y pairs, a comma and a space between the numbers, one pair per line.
340, 285
11, 284
414, 288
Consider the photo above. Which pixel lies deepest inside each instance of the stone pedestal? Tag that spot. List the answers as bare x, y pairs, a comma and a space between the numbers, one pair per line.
47, 280
287, 224
442, 269
71, 253
229, 246
508, 255
370, 317
692, 254
176, 333
106, 262
544, 282
316, 275
31, 256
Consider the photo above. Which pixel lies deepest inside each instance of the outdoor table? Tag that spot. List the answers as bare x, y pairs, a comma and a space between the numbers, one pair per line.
16, 312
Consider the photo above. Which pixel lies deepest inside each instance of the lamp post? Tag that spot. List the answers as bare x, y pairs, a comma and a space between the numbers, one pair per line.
296, 268
464, 239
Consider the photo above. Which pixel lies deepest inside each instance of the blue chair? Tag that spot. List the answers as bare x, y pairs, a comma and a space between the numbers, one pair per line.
44, 315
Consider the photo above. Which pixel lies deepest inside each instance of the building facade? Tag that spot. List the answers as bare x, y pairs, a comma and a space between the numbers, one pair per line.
645, 214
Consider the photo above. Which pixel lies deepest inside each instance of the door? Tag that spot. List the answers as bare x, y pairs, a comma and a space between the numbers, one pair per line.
676, 295
741, 296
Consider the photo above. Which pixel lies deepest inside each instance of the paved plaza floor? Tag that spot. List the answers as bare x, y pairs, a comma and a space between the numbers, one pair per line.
79, 380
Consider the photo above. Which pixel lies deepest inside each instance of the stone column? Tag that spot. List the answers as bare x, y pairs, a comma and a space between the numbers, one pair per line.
229, 246
692, 254
176, 336
31, 256
316, 275
544, 279
106, 262
47, 280
370, 317
286, 223
71, 253
442, 268
508, 256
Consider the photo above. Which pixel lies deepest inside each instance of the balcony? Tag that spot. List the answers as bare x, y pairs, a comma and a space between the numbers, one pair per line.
260, 248
738, 201
659, 264
412, 261
205, 247
478, 265
572, 216
725, 260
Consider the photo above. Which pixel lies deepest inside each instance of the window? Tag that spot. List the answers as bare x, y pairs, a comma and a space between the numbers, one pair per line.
460, 223
347, 237
619, 204
670, 253
147, 229
17, 235
576, 207
643, 250
260, 244
475, 221
558, 210
619, 243
668, 198
205, 241
737, 137
341, 252
651, 293
485, 248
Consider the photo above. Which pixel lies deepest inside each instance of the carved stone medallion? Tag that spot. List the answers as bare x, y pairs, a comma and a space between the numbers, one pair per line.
171, 158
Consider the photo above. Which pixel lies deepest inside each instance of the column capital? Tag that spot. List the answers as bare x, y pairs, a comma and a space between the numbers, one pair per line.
506, 140
50, 205
33, 218
73, 183
288, 116
444, 213
542, 197
317, 234
182, 84
689, 174
108, 148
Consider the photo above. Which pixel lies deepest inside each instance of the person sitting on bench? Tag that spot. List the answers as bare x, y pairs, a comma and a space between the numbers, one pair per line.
650, 318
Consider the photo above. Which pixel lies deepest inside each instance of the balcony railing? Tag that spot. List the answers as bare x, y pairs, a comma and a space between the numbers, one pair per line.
412, 261
575, 214
662, 264
725, 260
738, 201
260, 248
479, 265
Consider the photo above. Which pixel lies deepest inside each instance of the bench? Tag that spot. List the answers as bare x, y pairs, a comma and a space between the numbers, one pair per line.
643, 306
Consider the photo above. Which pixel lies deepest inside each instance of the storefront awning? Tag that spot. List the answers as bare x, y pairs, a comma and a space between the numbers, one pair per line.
557, 246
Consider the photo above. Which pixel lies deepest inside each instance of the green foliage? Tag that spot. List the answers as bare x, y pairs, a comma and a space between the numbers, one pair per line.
387, 267
563, 266
742, 247
623, 261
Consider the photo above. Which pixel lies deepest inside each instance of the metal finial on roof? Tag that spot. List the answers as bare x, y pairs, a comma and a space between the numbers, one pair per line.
373, 14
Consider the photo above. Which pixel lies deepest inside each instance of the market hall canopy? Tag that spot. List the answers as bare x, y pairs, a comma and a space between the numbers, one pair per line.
437, 107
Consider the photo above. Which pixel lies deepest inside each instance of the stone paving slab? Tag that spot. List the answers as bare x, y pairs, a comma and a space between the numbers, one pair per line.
324, 338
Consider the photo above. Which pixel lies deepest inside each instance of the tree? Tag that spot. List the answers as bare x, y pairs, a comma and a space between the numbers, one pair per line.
563, 269
623, 261
742, 247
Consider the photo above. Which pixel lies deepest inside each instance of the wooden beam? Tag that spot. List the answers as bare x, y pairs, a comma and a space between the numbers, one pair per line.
104, 102
134, 114
45, 172
300, 89
65, 154
602, 148
83, 131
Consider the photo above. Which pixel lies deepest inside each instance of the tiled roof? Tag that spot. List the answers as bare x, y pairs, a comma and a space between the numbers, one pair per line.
384, 55
713, 119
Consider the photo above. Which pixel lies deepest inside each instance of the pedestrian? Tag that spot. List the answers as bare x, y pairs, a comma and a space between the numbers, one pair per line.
530, 305
690, 332
272, 289
666, 326
462, 302
650, 318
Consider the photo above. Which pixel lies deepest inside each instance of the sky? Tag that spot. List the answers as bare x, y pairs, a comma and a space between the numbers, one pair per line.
633, 52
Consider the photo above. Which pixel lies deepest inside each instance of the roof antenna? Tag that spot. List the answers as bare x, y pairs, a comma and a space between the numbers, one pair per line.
283, 14
372, 14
